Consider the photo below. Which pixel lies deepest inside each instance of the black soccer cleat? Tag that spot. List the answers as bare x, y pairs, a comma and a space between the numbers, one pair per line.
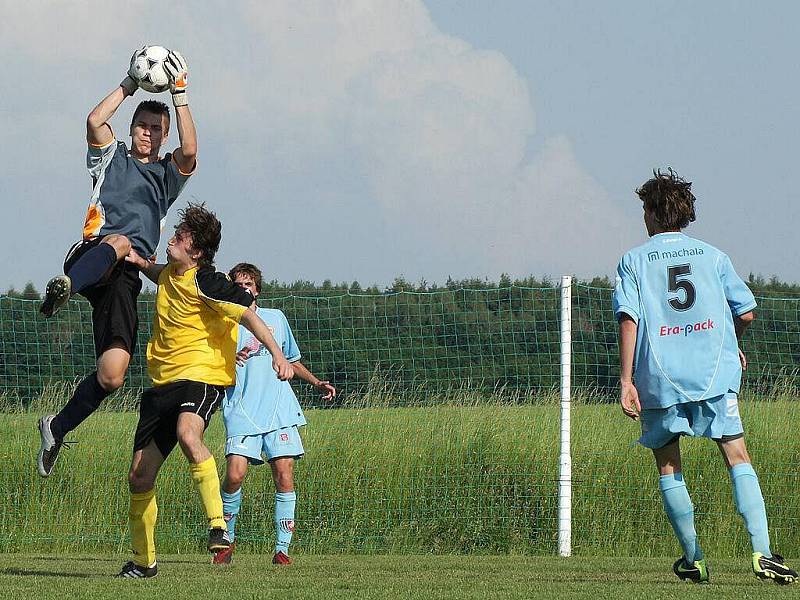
696, 572
773, 568
218, 540
48, 451
130, 570
56, 295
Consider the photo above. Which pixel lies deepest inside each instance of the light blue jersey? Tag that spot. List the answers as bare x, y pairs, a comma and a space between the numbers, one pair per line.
682, 293
260, 402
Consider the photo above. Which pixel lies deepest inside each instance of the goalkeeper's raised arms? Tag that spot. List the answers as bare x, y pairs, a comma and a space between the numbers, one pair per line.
178, 72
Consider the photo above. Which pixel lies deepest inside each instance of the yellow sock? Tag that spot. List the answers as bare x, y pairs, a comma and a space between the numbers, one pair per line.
142, 523
206, 480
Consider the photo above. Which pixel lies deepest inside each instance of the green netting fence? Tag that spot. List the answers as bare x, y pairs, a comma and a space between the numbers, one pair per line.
445, 436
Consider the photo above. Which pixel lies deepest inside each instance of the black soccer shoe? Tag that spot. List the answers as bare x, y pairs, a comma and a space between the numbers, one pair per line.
218, 540
773, 567
56, 295
48, 451
130, 570
696, 572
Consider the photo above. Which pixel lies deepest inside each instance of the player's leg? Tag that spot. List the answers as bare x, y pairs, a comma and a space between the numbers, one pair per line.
153, 441
84, 271
115, 323
198, 405
143, 511
235, 471
285, 502
661, 431
680, 511
94, 264
90, 393
750, 503
282, 447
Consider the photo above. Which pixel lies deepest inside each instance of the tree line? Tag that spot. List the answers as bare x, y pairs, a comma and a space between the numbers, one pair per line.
410, 341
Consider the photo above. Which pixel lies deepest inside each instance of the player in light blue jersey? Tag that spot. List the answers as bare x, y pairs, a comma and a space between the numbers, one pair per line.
682, 309
262, 417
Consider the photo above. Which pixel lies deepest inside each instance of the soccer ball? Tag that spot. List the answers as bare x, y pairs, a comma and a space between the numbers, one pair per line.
147, 69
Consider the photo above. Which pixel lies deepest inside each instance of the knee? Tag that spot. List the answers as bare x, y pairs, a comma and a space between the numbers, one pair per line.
284, 482
234, 478
120, 243
139, 481
110, 382
191, 445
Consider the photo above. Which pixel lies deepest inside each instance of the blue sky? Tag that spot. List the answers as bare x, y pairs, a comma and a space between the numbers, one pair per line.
365, 140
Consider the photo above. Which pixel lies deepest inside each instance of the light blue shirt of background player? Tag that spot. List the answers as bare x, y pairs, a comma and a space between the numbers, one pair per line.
683, 294
260, 402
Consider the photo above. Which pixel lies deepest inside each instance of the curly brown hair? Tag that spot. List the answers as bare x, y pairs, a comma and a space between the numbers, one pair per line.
251, 271
669, 198
205, 229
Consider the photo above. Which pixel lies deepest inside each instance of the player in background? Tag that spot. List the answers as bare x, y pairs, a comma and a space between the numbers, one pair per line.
191, 359
132, 191
682, 309
262, 416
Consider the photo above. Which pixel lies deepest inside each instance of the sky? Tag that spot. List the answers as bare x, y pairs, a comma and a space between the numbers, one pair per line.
369, 139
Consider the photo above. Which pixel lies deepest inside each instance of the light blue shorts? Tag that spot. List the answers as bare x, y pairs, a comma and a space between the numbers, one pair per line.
281, 443
716, 418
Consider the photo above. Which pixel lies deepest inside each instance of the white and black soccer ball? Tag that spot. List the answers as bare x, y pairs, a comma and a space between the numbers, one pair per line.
147, 69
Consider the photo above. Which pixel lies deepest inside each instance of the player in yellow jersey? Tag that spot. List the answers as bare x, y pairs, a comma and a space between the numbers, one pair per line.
191, 359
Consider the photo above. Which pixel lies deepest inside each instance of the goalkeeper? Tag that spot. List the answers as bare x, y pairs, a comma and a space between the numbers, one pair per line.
191, 359
682, 309
132, 191
262, 416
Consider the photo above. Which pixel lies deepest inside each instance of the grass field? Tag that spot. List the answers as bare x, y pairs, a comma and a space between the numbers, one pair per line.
458, 478
409, 577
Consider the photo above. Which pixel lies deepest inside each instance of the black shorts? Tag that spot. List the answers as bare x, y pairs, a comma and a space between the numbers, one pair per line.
113, 300
161, 405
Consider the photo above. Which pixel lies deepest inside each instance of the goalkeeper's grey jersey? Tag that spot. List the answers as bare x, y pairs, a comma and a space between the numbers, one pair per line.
130, 197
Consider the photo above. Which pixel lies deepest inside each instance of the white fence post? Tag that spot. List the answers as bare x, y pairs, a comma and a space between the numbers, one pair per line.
565, 456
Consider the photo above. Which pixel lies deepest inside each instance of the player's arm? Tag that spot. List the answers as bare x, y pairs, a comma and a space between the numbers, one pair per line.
325, 389
178, 71
150, 269
629, 396
740, 324
98, 131
256, 326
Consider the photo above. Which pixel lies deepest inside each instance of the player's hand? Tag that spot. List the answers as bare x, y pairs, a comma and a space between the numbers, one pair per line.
283, 368
136, 260
325, 389
130, 84
743, 360
178, 72
629, 399
242, 355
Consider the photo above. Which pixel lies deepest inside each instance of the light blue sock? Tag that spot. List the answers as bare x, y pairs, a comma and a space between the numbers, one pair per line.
284, 520
231, 504
750, 504
680, 512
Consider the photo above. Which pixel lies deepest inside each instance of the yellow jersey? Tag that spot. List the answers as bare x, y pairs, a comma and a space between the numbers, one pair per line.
195, 327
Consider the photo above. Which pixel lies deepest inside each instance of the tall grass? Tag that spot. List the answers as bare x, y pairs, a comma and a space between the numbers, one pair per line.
456, 473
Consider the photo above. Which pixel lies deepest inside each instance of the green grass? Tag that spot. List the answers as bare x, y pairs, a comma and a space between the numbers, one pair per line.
345, 577
459, 478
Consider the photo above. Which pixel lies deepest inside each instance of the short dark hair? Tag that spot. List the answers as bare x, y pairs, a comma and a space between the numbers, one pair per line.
151, 106
251, 271
205, 229
669, 198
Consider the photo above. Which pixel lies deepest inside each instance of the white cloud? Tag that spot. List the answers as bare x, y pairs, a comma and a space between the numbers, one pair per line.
361, 117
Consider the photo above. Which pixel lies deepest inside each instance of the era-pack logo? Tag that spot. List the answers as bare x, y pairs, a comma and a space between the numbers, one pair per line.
687, 329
